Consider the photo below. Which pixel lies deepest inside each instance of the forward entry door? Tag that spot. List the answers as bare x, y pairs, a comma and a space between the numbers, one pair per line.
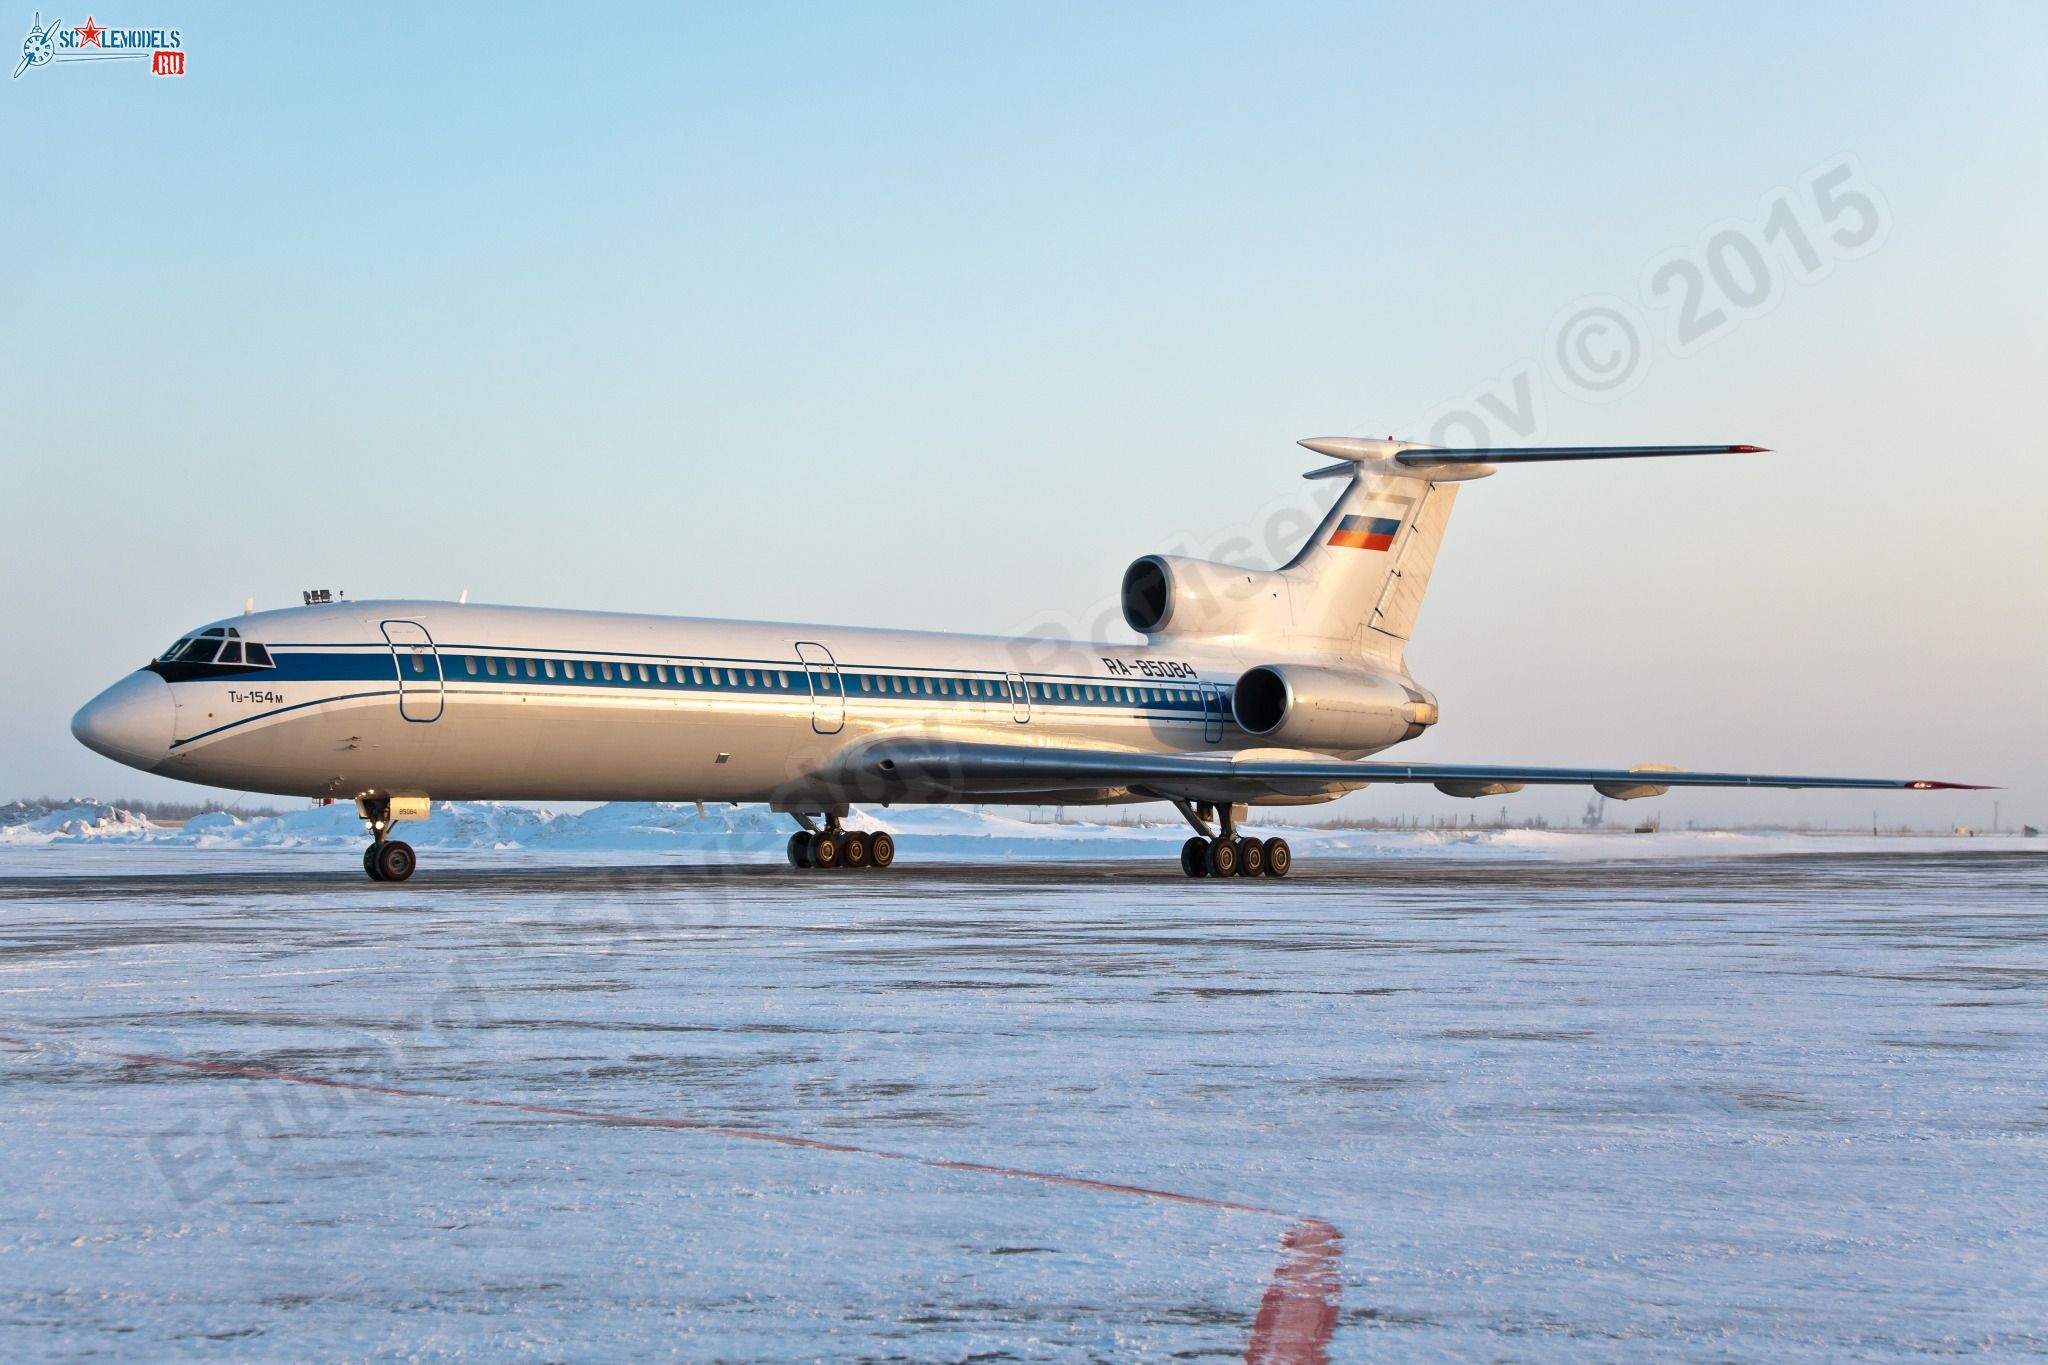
419, 670
828, 695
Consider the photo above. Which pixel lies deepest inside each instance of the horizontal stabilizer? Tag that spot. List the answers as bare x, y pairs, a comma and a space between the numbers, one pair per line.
1425, 457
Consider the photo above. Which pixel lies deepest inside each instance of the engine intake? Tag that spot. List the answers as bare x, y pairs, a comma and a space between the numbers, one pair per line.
1325, 708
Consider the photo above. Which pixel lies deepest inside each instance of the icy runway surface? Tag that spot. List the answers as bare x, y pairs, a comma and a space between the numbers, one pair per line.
1764, 1107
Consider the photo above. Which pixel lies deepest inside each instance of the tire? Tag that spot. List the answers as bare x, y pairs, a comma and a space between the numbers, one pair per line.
1194, 857
853, 849
824, 849
370, 864
881, 849
1279, 857
800, 848
1223, 857
395, 860
1251, 858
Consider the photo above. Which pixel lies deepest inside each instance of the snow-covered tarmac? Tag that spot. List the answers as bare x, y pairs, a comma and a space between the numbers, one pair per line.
1559, 1104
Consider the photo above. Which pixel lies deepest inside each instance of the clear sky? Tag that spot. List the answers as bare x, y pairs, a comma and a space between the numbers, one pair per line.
938, 315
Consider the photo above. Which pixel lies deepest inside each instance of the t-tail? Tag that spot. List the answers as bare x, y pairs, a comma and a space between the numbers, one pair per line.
1355, 588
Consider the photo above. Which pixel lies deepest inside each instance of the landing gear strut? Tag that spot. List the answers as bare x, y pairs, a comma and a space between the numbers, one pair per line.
1223, 853
386, 859
812, 847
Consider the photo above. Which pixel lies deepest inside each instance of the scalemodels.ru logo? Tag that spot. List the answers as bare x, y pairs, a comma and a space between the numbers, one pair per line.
93, 41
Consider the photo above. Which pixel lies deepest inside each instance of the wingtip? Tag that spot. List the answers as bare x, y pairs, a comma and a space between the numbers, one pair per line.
1929, 786
1749, 450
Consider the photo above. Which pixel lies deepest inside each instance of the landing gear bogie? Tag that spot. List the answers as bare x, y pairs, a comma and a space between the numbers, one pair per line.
833, 847
1224, 853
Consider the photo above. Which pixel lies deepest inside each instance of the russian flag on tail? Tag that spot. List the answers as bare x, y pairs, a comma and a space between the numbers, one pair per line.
1372, 529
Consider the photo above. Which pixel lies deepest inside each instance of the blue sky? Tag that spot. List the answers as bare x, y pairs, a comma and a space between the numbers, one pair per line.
939, 315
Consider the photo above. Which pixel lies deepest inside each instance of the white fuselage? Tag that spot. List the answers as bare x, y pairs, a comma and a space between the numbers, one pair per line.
482, 702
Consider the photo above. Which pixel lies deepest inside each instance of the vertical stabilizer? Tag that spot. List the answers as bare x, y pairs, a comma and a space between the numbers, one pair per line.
1369, 560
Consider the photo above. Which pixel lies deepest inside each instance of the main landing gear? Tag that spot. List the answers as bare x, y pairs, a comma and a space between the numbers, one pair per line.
832, 846
1224, 854
385, 860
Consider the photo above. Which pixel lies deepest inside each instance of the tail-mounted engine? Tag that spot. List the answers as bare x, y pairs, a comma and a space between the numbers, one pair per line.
1323, 708
1169, 595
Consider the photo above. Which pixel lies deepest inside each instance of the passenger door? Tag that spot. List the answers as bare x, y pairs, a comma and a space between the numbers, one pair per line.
1212, 714
1020, 700
420, 683
828, 695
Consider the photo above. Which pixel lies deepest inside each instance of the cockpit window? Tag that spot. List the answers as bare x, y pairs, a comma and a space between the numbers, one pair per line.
221, 647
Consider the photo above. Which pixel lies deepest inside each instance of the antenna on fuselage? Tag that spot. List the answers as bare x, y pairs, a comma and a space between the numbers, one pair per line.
462, 598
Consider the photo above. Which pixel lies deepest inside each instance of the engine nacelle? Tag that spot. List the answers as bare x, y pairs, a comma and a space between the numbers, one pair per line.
1169, 595
1304, 707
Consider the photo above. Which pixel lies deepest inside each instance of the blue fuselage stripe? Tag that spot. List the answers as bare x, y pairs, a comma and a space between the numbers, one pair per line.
480, 671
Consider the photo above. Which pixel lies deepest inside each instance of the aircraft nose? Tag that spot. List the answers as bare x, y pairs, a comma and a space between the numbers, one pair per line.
132, 722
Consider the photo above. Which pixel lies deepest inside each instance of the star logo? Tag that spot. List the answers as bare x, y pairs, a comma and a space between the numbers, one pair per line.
89, 36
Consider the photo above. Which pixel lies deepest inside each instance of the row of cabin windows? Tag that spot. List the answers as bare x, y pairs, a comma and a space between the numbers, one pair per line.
780, 680
218, 646
605, 670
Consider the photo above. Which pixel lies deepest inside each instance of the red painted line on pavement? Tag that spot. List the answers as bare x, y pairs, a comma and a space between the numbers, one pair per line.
1296, 1318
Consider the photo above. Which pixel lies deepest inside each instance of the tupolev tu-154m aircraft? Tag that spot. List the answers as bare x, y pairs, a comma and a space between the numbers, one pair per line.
1253, 688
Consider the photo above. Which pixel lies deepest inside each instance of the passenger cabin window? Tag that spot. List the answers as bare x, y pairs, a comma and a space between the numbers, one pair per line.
548, 667
469, 664
419, 660
491, 665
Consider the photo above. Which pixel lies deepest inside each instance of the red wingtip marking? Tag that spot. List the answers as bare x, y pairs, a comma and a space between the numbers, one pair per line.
1749, 450
1950, 787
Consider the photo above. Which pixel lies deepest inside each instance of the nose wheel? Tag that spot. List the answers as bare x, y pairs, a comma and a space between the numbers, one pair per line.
389, 860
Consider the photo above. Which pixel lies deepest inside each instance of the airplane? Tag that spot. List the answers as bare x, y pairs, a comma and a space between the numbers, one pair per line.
1254, 688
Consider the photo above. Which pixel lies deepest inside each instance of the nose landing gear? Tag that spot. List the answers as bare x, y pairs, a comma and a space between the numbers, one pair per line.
387, 859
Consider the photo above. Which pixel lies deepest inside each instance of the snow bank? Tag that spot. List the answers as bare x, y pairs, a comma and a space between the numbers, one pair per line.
958, 832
